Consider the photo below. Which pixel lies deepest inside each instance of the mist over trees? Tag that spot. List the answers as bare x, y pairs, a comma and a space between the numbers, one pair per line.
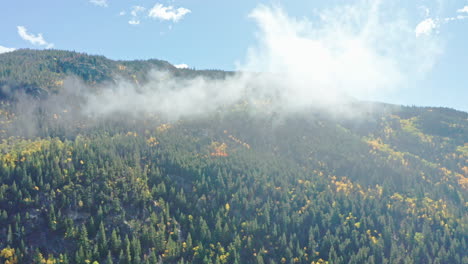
229, 186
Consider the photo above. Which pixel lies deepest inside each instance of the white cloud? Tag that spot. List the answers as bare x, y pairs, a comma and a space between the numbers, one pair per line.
463, 10
162, 12
358, 51
135, 11
102, 3
181, 66
5, 49
426, 27
33, 39
159, 11
425, 10
459, 17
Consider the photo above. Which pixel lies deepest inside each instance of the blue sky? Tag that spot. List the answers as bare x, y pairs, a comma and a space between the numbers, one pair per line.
214, 34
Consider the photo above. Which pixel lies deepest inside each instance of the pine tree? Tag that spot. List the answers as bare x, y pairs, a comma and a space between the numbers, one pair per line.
152, 258
136, 250
102, 240
9, 238
83, 240
115, 242
122, 258
80, 255
109, 258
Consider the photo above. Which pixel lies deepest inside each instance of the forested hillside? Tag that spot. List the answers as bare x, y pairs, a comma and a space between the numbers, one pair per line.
42, 72
230, 187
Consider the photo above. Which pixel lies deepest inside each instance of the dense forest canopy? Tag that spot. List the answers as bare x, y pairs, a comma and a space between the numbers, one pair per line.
230, 186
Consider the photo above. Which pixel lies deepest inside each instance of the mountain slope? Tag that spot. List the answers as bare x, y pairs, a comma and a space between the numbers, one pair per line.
39, 72
229, 187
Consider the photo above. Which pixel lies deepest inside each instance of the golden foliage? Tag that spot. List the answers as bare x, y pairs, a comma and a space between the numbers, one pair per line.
373, 236
163, 127
346, 186
463, 149
9, 255
152, 141
408, 125
18, 149
219, 149
132, 134
319, 261
378, 144
238, 141
461, 179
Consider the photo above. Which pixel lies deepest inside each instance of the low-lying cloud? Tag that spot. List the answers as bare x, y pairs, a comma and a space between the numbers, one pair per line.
353, 52
360, 51
5, 49
181, 66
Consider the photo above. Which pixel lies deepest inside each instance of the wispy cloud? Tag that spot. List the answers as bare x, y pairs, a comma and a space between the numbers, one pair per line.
425, 27
158, 11
135, 11
356, 50
429, 25
463, 10
353, 51
168, 13
459, 17
5, 49
102, 3
37, 40
425, 10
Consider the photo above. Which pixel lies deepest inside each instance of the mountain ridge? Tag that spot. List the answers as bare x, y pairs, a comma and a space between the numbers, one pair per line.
44, 71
